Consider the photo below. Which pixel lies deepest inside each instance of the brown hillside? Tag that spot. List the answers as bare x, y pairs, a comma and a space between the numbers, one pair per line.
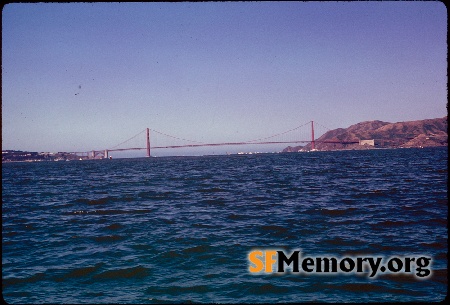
421, 133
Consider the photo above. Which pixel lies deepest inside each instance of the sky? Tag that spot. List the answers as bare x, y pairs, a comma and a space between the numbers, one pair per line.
84, 76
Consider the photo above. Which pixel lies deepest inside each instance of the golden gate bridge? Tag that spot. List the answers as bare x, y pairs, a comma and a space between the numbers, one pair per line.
273, 139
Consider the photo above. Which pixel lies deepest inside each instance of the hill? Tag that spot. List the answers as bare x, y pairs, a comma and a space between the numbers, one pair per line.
379, 134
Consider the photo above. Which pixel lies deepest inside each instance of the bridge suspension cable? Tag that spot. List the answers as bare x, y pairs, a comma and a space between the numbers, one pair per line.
127, 140
321, 126
192, 143
161, 133
278, 134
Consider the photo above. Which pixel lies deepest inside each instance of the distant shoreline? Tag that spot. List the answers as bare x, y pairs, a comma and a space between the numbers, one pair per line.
221, 155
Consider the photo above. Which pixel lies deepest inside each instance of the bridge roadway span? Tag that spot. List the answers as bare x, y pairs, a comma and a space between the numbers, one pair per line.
222, 144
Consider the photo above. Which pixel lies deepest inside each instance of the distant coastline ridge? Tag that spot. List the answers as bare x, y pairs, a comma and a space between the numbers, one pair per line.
379, 134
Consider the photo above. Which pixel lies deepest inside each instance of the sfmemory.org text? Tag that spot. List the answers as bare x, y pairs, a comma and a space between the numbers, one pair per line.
264, 261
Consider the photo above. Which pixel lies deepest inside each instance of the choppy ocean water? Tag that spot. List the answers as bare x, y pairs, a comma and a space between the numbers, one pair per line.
180, 229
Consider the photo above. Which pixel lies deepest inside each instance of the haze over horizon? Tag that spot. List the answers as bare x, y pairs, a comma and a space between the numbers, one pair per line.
83, 76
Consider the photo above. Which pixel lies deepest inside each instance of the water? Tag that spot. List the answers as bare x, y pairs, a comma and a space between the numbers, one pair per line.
180, 229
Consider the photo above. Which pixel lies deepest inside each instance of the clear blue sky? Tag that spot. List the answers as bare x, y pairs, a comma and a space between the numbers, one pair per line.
85, 76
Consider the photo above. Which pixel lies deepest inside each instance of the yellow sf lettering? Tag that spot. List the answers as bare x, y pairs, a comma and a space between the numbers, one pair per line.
256, 258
